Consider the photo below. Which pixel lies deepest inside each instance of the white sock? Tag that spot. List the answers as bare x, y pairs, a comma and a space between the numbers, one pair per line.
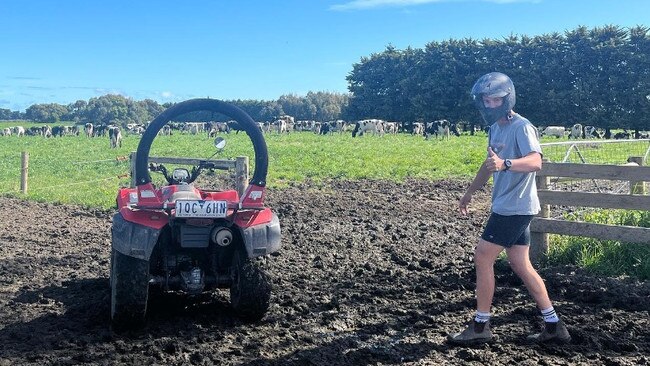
481, 317
549, 315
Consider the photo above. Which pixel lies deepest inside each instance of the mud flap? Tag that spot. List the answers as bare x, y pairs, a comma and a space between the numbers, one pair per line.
262, 239
131, 239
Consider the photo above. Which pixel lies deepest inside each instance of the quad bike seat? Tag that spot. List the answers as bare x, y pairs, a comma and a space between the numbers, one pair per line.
184, 192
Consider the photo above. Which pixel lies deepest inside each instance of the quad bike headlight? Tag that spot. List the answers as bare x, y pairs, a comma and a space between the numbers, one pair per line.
180, 175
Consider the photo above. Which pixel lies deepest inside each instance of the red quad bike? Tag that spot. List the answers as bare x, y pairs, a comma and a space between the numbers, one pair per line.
181, 238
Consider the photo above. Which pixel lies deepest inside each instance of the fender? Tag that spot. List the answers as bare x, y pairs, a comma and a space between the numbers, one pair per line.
133, 239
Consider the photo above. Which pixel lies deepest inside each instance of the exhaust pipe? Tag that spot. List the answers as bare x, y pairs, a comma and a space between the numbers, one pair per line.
221, 236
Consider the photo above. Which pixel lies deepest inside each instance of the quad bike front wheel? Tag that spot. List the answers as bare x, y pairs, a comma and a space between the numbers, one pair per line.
129, 291
250, 291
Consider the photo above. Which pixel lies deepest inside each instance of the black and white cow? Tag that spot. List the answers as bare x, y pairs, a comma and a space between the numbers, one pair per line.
374, 126
576, 132
115, 136
592, 133
441, 128
625, 135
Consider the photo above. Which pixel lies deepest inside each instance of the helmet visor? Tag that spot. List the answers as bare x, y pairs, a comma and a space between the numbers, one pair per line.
499, 94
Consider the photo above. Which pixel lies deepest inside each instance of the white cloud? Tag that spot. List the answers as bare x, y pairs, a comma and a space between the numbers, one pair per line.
370, 4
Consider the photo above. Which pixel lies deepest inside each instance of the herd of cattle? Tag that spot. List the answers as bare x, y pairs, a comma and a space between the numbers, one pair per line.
577, 131
286, 124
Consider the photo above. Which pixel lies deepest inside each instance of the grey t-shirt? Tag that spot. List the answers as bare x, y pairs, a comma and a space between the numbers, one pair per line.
514, 193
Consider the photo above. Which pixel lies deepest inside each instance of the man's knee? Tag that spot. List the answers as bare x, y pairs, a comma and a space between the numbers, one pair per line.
521, 265
486, 253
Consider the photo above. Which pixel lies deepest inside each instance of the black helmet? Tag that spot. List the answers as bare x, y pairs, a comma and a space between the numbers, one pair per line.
494, 84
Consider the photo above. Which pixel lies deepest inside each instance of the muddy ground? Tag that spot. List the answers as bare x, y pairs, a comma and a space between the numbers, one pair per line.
370, 273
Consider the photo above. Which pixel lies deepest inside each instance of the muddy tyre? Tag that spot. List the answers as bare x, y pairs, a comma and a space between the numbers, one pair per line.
250, 291
129, 291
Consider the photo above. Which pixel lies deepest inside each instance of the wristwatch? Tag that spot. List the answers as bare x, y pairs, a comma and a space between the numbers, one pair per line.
507, 164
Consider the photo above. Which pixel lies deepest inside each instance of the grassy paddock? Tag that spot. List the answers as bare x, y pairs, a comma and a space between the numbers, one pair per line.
606, 257
85, 171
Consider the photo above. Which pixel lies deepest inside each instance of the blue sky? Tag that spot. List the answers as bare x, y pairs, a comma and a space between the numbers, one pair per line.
65, 50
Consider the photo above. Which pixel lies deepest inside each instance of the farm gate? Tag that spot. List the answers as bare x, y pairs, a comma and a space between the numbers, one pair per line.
585, 185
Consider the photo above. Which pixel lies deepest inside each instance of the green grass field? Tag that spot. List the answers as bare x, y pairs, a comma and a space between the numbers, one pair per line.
85, 170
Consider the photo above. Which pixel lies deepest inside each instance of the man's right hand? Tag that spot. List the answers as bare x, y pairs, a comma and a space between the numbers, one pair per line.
464, 202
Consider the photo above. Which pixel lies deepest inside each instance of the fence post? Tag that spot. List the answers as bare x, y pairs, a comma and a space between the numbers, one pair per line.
24, 170
241, 174
539, 241
636, 187
132, 157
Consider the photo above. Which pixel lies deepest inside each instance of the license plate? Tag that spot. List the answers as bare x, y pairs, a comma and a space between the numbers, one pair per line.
201, 208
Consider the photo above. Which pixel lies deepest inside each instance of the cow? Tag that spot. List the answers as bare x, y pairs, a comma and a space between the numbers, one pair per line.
34, 131
280, 126
339, 125
319, 128
625, 135
234, 125
6, 131
88, 129
216, 127
166, 130
375, 126
439, 128
391, 127
557, 131
193, 128
46, 131
19, 131
417, 128
592, 133
100, 130
60, 131
115, 136
576, 132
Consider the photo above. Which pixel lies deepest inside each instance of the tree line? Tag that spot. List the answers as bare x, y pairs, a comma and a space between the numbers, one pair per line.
598, 76
120, 110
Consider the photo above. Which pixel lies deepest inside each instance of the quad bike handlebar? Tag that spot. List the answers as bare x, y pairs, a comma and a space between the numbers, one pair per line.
193, 105
196, 171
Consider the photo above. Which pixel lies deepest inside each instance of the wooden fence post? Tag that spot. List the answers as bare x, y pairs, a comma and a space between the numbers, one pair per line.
539, 241
637, 187
241, 174
24, 170
132, 157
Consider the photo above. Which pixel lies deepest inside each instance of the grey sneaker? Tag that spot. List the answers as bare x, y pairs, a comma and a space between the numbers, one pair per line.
475, 333
553, 332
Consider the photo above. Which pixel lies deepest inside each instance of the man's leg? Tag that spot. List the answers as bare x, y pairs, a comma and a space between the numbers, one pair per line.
554, 328
478, 330
520, 264
484, 256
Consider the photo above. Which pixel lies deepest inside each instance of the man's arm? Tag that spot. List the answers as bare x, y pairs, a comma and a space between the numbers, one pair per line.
526, 164
482, 176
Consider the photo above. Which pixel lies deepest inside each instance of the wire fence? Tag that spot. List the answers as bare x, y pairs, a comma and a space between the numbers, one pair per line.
46, 177
602, 152
606, 152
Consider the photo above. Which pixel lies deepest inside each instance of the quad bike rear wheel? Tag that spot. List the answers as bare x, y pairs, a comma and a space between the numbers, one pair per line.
129, 291
250, 291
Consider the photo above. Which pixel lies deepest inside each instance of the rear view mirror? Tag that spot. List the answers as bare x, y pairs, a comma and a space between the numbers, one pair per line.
219, 143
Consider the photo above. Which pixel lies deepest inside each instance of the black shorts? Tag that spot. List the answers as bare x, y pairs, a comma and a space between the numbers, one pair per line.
507, 231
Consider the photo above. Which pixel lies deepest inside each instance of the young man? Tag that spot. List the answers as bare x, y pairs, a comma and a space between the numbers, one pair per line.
514, 155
